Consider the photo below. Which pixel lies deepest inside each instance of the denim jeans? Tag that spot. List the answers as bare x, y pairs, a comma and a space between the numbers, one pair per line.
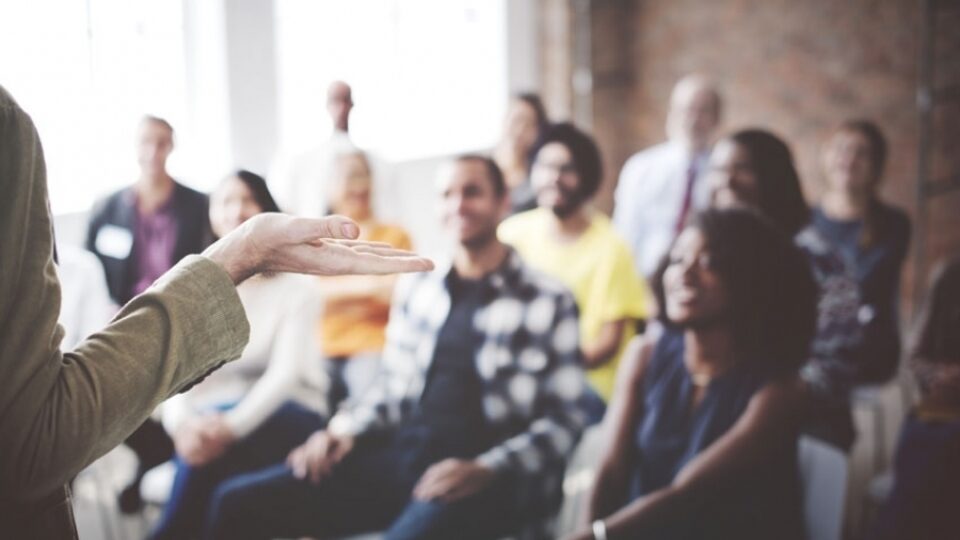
184, 513
370, 490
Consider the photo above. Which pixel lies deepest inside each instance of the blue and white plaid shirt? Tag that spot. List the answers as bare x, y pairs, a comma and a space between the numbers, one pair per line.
529, 363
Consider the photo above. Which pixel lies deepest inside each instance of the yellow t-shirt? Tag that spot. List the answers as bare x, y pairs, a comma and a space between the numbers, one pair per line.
358, 325
598, 269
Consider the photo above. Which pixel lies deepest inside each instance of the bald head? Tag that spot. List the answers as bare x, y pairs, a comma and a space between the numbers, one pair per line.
694, 112
339, 104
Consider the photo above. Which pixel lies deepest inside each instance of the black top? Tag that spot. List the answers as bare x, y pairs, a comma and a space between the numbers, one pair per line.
762, 502
877, 269
449, 419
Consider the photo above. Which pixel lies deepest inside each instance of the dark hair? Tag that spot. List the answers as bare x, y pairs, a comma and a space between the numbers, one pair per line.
772, 294
535, 103
586, 155
494, 174
778, 184
258, 188
875, 140
937, 337
877, 144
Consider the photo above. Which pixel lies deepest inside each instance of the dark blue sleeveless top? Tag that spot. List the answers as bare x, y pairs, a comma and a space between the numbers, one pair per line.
761, 503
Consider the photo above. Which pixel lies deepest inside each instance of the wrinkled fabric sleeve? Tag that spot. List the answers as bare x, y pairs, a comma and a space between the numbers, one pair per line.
60, 411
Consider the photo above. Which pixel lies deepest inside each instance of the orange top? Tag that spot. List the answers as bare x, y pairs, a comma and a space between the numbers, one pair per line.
356, 323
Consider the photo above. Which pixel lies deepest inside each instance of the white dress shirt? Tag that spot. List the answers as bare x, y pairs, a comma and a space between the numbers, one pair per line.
649, 199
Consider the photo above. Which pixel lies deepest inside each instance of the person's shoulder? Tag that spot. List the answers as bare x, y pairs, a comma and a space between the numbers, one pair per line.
518, 225
109, 203
605, 239
188, 193
896, 218
393, 234
780, 397
654, 152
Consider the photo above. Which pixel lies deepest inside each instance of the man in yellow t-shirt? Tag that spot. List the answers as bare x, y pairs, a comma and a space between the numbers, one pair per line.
566, 238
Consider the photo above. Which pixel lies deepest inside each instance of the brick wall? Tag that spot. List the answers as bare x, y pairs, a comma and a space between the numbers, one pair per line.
796, 68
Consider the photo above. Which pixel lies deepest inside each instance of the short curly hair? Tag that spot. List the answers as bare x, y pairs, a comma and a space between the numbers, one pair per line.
586, 155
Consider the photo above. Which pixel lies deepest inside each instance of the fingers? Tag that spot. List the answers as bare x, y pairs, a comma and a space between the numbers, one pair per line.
376, 263
437, 481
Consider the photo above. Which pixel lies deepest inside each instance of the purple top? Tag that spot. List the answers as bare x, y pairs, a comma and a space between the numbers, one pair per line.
154, 239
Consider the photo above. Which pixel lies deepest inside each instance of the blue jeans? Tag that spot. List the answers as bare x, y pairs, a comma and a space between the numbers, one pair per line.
370, 490
184, 513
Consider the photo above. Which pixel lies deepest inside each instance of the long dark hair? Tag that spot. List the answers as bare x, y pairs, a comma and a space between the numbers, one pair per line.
937, 338
772, 294
535, 103
778, 184
258, 188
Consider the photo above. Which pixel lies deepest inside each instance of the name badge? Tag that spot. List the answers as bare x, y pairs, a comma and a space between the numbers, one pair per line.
114, 241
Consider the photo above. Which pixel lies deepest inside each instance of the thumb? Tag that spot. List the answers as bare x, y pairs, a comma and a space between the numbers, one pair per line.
337, 227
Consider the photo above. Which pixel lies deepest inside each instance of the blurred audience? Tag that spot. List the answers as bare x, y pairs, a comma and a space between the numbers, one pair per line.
526, 120
240, 417
754, 168
566, 238
872, 236
352, 328
927, 465
701, 434
660, 187
467, 432
138, 233
301, 180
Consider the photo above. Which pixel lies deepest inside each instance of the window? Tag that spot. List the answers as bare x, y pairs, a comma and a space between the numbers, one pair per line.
428, 77
86, 72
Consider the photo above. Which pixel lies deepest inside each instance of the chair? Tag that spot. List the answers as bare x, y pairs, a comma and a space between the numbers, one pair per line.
823, 476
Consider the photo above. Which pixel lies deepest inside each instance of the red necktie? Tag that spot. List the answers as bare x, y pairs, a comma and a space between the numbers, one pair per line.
687, 198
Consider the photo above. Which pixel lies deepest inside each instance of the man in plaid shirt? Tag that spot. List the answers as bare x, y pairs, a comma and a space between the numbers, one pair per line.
479, 404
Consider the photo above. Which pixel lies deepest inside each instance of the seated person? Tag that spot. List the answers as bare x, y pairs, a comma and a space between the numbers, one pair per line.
754, 168
526, 119
352, 328
566, 238
927, 465
138, 233
702, 431
466, 433
240, 418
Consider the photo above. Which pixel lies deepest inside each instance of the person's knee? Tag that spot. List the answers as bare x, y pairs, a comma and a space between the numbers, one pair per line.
420, 519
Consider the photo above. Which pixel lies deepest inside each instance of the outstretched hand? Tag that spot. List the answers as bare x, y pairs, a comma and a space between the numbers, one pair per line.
273, 242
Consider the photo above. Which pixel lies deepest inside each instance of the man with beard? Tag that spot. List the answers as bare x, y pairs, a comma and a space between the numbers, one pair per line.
466, 433
566, 238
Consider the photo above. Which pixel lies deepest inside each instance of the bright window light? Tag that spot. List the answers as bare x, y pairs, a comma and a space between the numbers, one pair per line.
86, 71
428, 76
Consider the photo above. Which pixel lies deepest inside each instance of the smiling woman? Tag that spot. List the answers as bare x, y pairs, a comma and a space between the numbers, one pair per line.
712, 393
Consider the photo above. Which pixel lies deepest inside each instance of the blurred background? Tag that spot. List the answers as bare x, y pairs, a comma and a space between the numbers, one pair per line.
244, 84
244, 81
